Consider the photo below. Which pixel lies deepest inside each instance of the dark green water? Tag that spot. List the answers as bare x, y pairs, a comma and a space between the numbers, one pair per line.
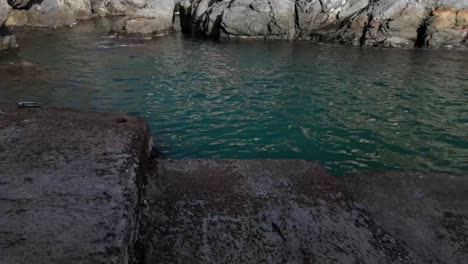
352, 109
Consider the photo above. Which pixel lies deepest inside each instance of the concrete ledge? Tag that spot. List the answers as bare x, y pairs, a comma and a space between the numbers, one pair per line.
259, 211
78, 187
68, 185
427, 211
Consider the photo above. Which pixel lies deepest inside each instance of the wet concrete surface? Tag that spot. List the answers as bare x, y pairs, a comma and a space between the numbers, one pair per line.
292, 211
68, 185
78, 187
427, 211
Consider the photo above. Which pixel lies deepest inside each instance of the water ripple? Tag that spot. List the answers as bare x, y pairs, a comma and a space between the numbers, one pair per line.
352, 109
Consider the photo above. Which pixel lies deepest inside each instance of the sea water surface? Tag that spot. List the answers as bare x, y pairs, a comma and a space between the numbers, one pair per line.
352, 109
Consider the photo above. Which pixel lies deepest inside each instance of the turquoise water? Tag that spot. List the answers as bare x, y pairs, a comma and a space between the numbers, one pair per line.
352, 109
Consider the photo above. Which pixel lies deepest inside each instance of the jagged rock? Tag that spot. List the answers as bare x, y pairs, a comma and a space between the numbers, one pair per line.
23, 4
5, 10
51, 13
117, 7
239, 18
388, 23
141, 17
201, 17
7, 40
315, 18
144, 17
447, 28
264, 19
153, 17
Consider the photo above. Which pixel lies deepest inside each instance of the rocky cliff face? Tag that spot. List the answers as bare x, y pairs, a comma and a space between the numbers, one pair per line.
389, 23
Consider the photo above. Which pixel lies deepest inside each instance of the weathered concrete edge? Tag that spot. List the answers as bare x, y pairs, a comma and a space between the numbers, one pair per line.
420, 217
133, 255
428, 211
130, 242
140, 145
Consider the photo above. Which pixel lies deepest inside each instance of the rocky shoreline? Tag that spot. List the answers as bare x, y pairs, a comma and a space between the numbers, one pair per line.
137, 17
385, 23
381, 23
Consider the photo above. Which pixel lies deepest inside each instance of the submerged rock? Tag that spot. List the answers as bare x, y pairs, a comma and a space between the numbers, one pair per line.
23, 70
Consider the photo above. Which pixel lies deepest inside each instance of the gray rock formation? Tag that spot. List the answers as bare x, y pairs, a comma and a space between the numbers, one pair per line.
446, 28
141, 16
389, 23
50, 13
153, 17
6, 39
5, 10
239, 18
385, 23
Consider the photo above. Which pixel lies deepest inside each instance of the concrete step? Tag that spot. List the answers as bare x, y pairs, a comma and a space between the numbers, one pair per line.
78, 187
427, 211
68, 185
286, 211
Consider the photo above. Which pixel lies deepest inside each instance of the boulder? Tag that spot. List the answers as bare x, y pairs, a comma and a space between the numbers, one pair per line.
387, 23
153, 17
144, 17
239, 18
447, 28
315, 18
5, 10
259, 19
7, 40
117, 7
51, 13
